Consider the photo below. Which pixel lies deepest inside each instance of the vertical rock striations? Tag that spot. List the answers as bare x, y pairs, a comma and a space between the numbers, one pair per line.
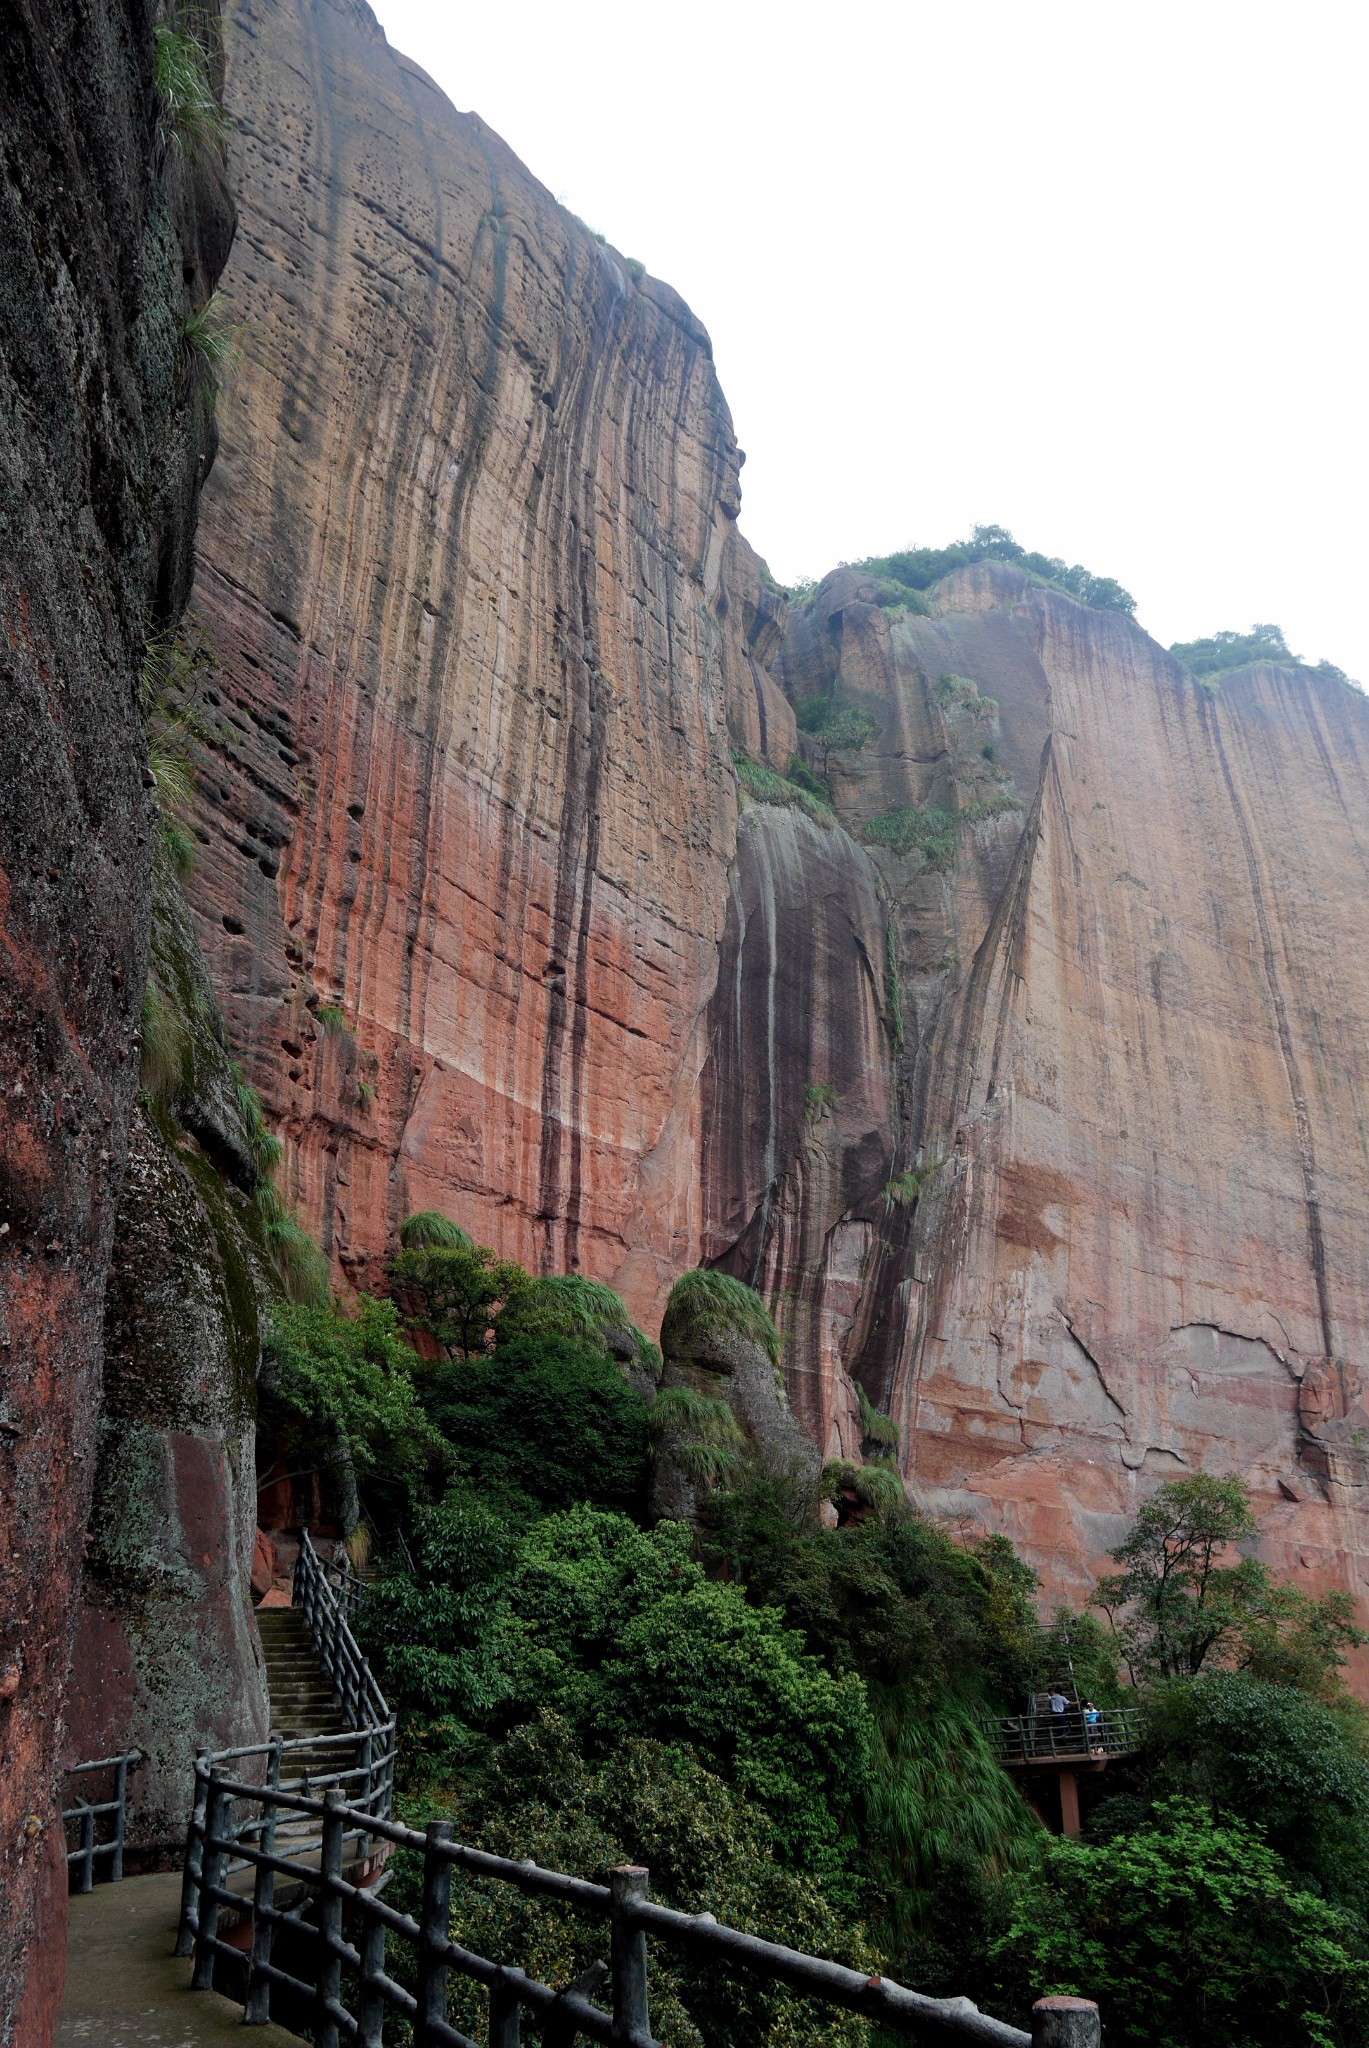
470, 564
107, 241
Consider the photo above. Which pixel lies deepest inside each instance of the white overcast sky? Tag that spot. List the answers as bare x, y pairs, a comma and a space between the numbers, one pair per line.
1094, 271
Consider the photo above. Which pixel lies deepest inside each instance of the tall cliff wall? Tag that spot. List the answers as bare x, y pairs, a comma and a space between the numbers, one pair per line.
1133, 1076
1025, 1082
471, 567
106, 243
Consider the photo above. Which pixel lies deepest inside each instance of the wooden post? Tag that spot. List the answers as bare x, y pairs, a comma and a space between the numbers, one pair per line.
1069, 1803
629, 1881
194, 1861
217, 1820
116, 1861
370, 1998
1066, 2023
433, 1925
505, 2015
329, 1983
257, 2005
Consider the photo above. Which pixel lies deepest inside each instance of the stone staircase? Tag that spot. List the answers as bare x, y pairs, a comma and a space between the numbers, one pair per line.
302, 1700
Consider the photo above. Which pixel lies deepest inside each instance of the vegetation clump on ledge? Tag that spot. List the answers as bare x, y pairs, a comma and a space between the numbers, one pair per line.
910, 572
798, 790
1220, 653
704, 1301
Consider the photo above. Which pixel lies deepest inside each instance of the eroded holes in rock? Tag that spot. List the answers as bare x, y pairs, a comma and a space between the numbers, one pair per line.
234, 925
356, 810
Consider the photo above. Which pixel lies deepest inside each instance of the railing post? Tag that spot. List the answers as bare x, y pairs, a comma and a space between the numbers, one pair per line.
330, 1921
505, 2015
116, 1861
433, 1925
87, 1877
630, 2023
257, 2005
370, 1998
217, 1820
194, 1861
1066, 2023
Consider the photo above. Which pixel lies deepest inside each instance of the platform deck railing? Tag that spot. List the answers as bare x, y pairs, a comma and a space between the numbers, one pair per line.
1040, 1736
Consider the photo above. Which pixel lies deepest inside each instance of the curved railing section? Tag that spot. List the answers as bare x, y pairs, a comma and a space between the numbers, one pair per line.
356, 1766
339, 1984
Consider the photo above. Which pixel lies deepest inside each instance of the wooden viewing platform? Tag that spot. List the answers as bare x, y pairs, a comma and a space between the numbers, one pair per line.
1061, 1745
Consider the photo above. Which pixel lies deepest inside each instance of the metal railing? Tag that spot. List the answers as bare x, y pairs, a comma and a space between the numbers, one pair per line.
1076, 1735
348, 1991
89, 1812
356, 1766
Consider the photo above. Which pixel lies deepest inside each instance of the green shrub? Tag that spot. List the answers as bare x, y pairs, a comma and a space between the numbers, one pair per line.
1271, 1756
876, 1427
1186, 1931
707, 1848
766, 787
165, 1055
876, 1487
356, 1372
331, 1018
209, 340
1221, 652
455, 1293
703, 1301
301, 1266
930, 832
264, 1148
432, 1631
562, 1305
818, 1099
544, 1420
917, 569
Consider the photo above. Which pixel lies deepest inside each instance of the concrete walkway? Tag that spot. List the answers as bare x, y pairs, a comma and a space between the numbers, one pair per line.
125, 1989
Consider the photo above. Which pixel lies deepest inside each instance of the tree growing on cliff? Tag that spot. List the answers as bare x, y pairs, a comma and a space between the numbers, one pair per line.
1178, 1605
454, 1291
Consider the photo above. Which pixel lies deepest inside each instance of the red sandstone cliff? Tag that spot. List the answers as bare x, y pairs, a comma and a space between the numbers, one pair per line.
471, 567
1053, 1139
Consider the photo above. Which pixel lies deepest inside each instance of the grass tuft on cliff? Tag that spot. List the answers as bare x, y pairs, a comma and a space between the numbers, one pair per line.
764, 786
563, 1305
190, 113
698, 1433
429, 1230
703, 1300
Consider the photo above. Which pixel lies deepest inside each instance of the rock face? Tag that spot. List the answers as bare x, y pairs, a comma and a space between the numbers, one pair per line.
166, 1656
470, 564
106, 243
1024, 1085
1135, 1010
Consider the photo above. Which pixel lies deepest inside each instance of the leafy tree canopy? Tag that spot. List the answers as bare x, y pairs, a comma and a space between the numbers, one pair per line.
354, 1374
455, 1292
545, 1420
917, 569
1186, 1596
1186, 1930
